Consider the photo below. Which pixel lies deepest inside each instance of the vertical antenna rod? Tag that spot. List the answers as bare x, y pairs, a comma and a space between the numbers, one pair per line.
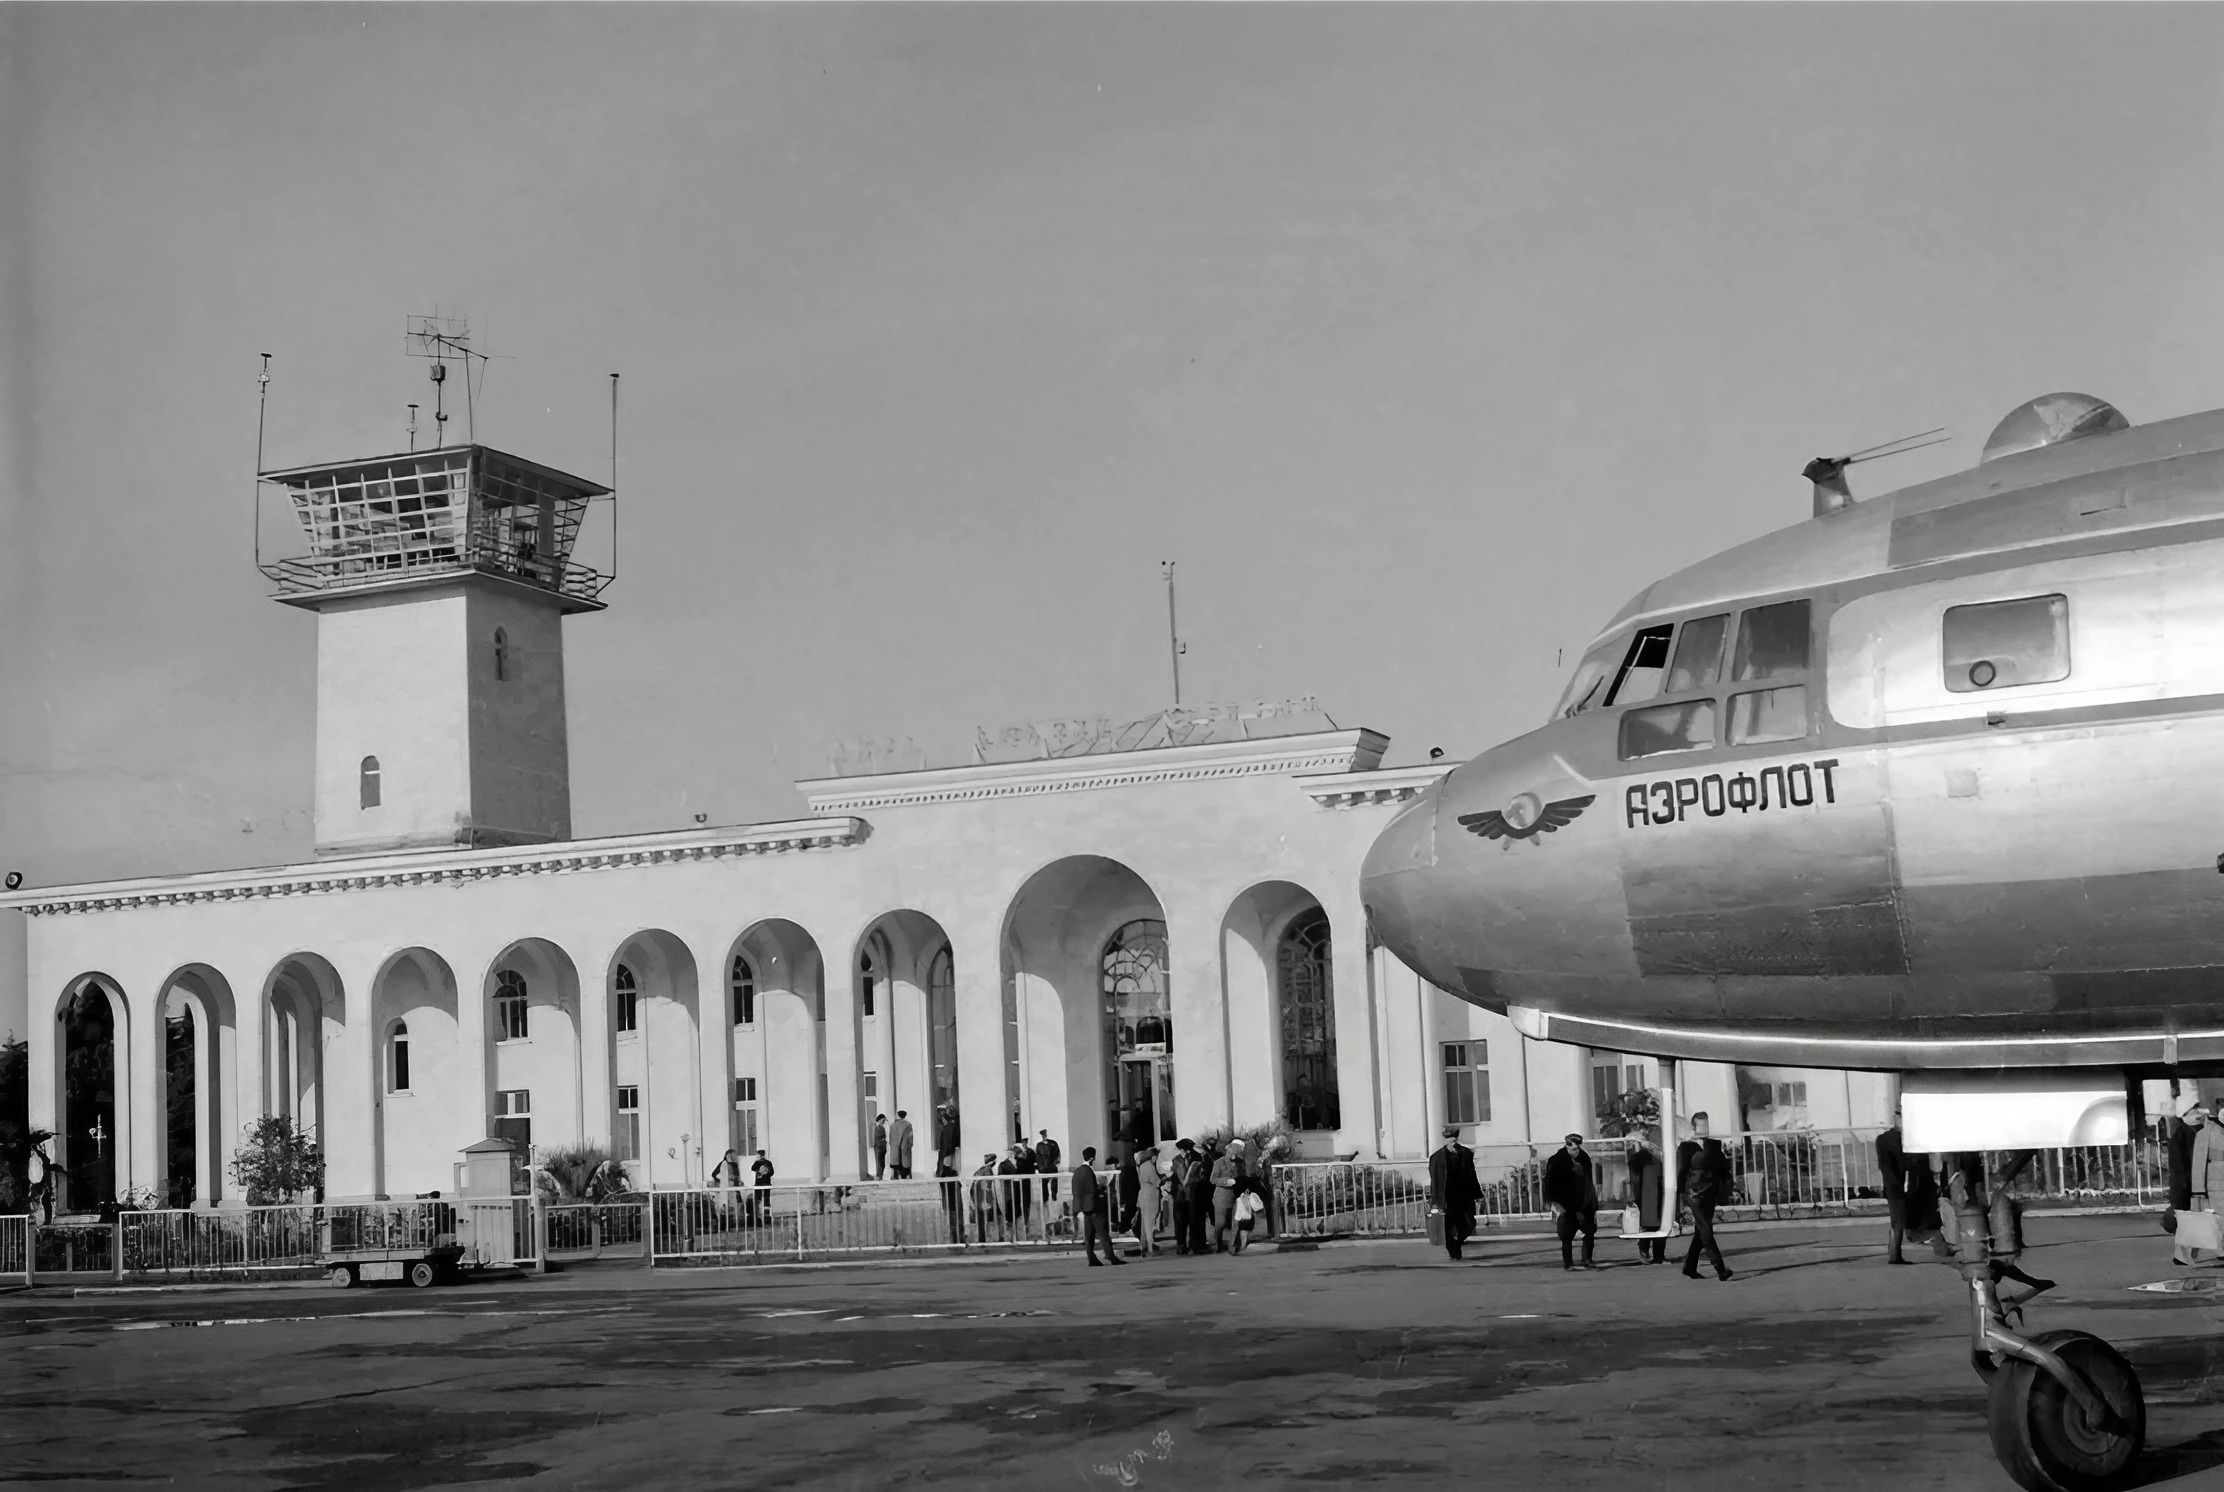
262, 408
1173, 637
413, 427
613, 476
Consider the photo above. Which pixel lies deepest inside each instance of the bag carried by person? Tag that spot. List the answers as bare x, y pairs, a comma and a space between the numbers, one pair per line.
1436, 1227
2201, 1230
1247, 1208
1633, 1221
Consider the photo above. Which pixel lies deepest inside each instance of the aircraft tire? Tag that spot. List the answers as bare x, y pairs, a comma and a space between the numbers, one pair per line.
2040, 1435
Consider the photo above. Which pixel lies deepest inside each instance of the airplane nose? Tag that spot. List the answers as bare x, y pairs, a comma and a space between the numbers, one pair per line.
1390, 876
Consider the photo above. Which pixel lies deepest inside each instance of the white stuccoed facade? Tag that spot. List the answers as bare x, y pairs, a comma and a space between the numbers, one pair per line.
917, 932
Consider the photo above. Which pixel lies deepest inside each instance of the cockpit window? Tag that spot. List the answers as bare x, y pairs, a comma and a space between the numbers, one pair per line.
1772, 642
1589, 684
1664, 728
1699, 654
2001, 644
1643, 667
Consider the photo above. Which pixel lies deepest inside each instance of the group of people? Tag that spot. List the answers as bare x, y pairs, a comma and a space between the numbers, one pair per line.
1214, 1201
1703, 1173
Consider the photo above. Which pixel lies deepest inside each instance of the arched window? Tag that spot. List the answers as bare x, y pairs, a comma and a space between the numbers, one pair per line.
942, 1027
629, 1000
1136, 1001
509, 1006
1308, 1001
366, 778
397, 1059
743, 983
868, 977
501, 653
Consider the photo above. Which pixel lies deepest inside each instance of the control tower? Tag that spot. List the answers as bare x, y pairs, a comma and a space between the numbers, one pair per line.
440, 580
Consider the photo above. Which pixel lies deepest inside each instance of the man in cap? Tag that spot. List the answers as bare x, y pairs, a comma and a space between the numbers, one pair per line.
1571, 1191
1454, 1189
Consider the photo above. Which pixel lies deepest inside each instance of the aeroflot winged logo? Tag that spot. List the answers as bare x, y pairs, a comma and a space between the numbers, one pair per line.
1525, 817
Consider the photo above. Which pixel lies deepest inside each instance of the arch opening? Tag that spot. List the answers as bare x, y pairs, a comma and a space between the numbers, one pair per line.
779, 1100
907, 1047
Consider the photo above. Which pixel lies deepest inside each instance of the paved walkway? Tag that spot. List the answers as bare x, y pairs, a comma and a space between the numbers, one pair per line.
1351, 1365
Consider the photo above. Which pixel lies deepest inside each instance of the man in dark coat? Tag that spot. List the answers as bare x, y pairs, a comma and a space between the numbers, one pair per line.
1089, 1205
1188, 1165
1454, 1189
1704, 1169
1047, 1156
1910, 1197
1571, 1191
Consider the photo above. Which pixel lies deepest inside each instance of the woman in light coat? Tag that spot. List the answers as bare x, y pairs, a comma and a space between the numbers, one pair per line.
2208, 1180
1146, 1198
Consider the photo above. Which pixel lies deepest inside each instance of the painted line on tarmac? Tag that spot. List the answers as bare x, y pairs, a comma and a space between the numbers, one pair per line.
339, 1316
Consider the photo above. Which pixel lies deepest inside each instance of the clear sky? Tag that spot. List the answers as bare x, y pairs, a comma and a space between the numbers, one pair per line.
1421, 337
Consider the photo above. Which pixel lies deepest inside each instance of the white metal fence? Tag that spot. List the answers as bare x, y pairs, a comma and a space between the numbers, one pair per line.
1786, 1174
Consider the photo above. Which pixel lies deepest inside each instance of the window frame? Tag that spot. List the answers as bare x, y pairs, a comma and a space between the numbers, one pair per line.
1725, 689
512, 993
626, 1132
370, 784
741, 990
1474, 1068
502, 655
625, 1003
397, 1058
1967, 684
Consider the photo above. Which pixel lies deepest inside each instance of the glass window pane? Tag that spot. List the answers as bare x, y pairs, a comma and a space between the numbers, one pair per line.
1772, 641
1589, 683
1643, 667
1664, 728
1769, 715
2005, 643
1699, 653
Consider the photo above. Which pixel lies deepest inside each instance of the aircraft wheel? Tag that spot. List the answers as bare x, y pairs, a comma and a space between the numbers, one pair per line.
2044, 1440
340, 1275
422, 1274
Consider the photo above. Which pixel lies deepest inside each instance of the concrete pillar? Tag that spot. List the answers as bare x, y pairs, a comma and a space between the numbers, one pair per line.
140, 1117
1361, 1124
984, 1095
340, 1097
1202, 1091
714, 1055
845, 1137
598, 1094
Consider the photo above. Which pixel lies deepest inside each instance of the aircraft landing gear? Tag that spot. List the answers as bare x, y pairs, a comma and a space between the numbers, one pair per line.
2064, 1407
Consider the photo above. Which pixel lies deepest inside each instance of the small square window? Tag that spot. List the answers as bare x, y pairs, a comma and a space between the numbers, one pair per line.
1665, 728
1768, 715
1772, 642
2003, 644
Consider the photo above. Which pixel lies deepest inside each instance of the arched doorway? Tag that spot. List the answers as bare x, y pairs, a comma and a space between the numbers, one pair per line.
302, 1002
531, 1085
91, 1077
906, 984
776, 1014
197, 1092
1277, 958
423, 1090
1090, 1005
657, 1118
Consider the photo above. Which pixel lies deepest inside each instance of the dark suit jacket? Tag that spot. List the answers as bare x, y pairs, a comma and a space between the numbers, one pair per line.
1088, 1192
1568, 1182
1453, 1185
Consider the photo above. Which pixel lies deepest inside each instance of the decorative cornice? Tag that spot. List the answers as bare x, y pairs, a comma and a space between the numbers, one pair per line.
442, 867
1341, 752
1352, 789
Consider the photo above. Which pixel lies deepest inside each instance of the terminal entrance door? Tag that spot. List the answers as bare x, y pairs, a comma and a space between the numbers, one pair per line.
1144, 1108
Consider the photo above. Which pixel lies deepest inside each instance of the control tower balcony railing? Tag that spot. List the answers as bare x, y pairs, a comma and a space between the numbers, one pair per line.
456, 510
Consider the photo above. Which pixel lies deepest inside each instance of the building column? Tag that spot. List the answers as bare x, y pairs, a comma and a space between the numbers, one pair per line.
845, 1138
714, 1057
1203, 1096
140, 1133
984, 1095
597, 1081
344, 1110
1360, 1126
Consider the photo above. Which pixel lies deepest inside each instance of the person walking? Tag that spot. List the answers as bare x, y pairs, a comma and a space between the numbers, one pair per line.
1227, 1179
953, 1197
40, 1172
985, 1205
1047, 1155
1706, 1185
2206, 1177
1148, 1182
1130, 1188
1089, 1206
946, 1138
899, 1147
1182, 1178
1910, 1197
1454, 1189
1571, 1192
880, 1146
1644, 1194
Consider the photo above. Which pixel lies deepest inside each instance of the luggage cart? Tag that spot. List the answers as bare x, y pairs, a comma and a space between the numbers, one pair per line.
390, 1243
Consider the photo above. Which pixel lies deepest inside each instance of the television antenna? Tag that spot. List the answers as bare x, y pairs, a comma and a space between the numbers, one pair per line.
443, 339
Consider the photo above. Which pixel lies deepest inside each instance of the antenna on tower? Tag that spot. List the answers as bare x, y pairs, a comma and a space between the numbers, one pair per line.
262, 410
1174, 646
440, 338
613, 476
413, 427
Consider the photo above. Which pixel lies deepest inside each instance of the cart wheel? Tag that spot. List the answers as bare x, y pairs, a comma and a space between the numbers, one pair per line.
341, 1276
422, 1274
2044, 1440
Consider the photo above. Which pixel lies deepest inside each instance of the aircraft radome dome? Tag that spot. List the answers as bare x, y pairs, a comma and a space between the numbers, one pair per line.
2050, 420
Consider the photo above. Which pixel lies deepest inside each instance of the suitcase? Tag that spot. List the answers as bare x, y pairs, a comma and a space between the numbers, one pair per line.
2201, 1230
1436, 1228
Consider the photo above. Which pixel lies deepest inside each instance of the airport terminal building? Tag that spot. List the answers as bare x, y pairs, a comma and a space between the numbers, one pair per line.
1153, 929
